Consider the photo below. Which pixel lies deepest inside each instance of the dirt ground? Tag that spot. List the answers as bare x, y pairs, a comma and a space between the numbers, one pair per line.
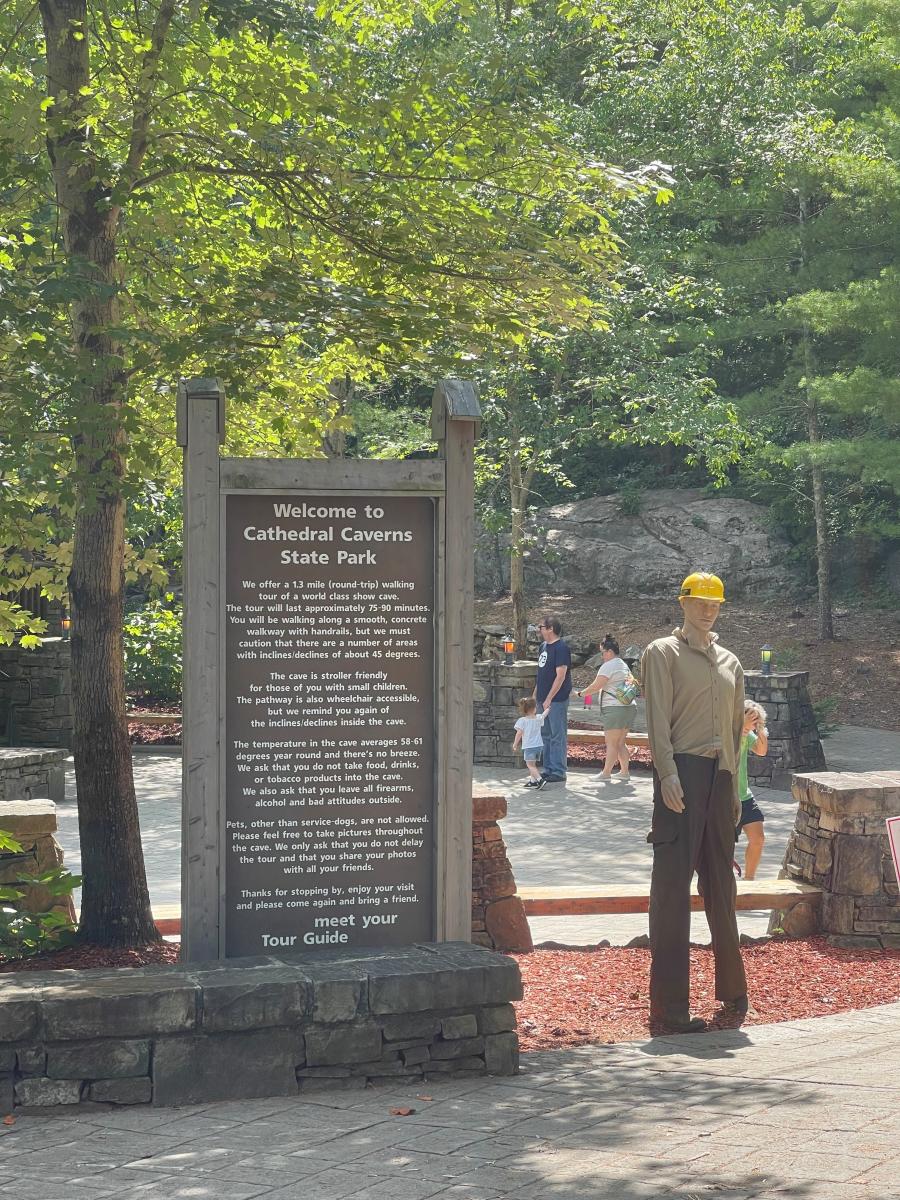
858, 675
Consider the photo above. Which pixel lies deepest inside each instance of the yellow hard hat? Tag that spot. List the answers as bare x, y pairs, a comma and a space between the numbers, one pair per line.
704, 587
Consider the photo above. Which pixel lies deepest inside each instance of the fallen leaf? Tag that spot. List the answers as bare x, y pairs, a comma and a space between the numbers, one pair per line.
402, 1112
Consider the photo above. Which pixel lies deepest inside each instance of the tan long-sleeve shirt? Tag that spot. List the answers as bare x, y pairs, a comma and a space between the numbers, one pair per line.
695, 701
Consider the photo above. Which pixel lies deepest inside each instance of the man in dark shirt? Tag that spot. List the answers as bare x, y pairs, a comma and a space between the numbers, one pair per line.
552, 690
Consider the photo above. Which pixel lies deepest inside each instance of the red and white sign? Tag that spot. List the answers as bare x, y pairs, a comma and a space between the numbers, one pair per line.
893, 832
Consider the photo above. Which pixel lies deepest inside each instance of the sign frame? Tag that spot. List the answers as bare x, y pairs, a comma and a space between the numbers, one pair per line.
208, 479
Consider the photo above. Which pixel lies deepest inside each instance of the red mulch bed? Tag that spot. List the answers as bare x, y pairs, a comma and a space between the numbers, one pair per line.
84, 957
595, 756
574, 997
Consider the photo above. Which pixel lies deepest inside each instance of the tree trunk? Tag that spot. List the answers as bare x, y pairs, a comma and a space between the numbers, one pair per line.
516, 548
823, 539
115, 901
820, 514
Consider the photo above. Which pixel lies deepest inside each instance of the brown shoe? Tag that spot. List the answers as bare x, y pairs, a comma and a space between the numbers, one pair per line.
686, 1024
738, 1007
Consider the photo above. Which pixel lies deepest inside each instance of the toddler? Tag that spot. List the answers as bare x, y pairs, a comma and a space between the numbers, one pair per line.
528, 736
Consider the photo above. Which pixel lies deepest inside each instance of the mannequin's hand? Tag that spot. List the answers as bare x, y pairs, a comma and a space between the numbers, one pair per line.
672, 793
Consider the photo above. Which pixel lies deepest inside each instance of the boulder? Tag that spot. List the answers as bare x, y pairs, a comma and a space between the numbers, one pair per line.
591, 546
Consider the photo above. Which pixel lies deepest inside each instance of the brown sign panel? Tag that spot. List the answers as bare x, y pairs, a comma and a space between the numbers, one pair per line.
329, 721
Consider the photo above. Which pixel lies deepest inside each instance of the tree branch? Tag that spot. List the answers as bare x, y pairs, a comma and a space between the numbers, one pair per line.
141, 120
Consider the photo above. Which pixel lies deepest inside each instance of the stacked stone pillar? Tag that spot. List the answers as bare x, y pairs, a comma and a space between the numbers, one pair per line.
497, 688
33, 825
498, 915
840, 844
794, 743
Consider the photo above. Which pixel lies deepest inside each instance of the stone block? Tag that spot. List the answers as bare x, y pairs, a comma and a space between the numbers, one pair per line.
465, 1026
837, 914
498, 1019
501, 1054
459, 1048
415, 1054
19, 1010
881, 912
387, 1070
488, 806
119, 1003
507, 925
29, 1060
857, 865
499, 884
239, 998
343, 1044
854, 942
7, 1093
803, 920
45, 1093
890, 941
502, 979
225, 1066
824, 856
876, 927
106, 1058
411, 1026
121, 1091
27, 819
836, 823
450, 1066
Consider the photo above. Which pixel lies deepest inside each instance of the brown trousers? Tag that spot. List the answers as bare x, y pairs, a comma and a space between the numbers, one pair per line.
700, 839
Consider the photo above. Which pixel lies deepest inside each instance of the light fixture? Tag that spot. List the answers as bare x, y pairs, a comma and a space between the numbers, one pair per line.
767, 657
65, 624
509, 649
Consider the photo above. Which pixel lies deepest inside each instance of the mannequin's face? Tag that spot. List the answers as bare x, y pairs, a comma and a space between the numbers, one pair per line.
699, 615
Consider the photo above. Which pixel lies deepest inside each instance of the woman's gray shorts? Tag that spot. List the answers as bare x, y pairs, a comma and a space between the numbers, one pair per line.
618, 716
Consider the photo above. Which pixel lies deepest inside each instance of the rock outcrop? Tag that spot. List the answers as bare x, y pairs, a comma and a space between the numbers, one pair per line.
592, 546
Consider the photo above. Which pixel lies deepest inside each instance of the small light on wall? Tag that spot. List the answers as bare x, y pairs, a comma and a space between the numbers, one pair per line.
767, 657
509, 649
65, 624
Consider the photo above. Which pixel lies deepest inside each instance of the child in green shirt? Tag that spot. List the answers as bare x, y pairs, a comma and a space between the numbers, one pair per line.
756, 738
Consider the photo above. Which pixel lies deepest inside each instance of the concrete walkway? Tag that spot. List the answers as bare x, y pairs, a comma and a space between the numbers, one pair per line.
808, 1110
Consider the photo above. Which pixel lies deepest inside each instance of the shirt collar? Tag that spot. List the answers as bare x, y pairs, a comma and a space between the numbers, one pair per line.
679, 633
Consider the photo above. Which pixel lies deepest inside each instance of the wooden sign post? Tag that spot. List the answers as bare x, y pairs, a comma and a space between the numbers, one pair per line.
327, 770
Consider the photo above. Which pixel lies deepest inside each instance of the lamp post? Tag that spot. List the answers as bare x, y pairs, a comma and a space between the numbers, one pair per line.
767, 657
65, 624
509, 650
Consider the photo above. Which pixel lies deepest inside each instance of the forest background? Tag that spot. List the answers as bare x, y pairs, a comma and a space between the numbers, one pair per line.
661, 239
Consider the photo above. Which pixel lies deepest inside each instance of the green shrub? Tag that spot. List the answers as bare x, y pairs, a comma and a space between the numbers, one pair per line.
24, 933
823, 711
630, 497
153, 649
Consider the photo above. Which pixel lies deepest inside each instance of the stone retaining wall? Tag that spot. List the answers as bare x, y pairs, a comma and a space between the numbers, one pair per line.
31, 774
38, 685
267, 1026
794, 743
498, 915
839, 843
